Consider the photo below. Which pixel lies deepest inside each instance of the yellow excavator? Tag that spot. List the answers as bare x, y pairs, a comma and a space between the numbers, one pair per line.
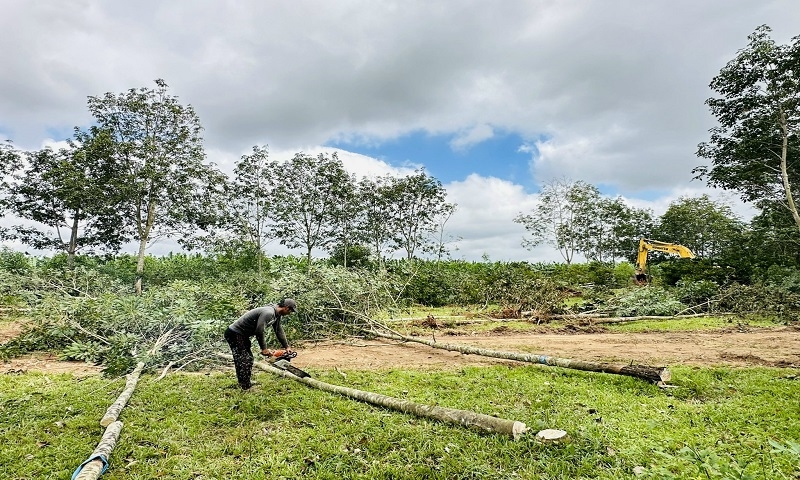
645, 246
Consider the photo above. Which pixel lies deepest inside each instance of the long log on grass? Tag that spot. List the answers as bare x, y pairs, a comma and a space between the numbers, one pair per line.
465, 418
657, 375
114, 410
97, 463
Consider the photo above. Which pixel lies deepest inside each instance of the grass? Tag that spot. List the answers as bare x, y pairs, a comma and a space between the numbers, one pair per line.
192, 426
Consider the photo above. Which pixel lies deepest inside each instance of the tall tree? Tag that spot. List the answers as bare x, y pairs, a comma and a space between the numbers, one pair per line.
374, 198
608, 228
308, 202
349, 236
755, 147
556, 218
168, 188
255, 177
705, 226
71, 194
415, 204
10, 161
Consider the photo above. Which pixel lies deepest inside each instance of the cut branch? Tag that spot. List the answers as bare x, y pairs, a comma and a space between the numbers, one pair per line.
465, 418
98, 461
657, 375
114, 410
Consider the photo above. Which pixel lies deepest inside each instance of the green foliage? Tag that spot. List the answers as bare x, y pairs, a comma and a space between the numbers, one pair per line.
14, 262
649, 300
760, 299
783, 278
696, 293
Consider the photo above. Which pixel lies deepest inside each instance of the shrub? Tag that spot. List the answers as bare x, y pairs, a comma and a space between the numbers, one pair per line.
649, 300
696, 293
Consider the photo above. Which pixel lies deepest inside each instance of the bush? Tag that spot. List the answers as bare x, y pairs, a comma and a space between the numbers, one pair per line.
696, 293
649, 300
14, 262
761, 299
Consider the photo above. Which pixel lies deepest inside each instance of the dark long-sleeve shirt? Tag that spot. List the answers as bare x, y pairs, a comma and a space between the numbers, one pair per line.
255, 321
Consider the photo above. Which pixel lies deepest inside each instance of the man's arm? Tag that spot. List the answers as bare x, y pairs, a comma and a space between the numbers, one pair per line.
260, 333
279, 334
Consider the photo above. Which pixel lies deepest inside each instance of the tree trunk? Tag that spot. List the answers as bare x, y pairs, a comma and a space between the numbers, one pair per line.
144, 237
114, 410
73, 242
93, 469
785, 172
657, 375
448, 415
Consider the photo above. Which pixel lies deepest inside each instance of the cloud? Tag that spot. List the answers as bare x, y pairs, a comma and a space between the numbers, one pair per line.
472, 136
609, 92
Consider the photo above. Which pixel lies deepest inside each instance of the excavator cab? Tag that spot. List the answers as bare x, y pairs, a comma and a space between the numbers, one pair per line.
645, 246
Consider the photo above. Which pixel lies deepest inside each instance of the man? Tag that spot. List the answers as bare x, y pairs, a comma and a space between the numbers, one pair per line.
254, 322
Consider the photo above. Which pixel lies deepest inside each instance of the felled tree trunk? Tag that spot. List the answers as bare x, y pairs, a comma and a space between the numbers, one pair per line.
657, 375
114, 410
465, 418
93, 469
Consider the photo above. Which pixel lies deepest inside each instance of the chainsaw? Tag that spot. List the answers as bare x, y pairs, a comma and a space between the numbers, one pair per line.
281, 359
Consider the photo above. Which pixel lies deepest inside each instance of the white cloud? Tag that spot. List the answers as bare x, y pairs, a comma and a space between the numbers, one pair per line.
616, 88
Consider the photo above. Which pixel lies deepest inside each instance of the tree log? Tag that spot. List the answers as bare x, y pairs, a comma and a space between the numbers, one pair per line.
465, 418
92, 469
657, 375
114, 410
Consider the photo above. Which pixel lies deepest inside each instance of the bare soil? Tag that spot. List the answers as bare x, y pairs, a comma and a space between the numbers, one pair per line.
775, 347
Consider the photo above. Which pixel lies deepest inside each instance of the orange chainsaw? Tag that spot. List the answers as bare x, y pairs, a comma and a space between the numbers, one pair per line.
281, 359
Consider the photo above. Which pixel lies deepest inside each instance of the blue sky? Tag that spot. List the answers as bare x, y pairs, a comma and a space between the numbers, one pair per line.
492, 98
504, 155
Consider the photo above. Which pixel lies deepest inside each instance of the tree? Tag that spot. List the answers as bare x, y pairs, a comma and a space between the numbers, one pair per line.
556, 218
755, 147
71, 193
374, 227
167, 188
705, 226
608, 228
415, 205
255, 177
440, 240
309, 202
10, 161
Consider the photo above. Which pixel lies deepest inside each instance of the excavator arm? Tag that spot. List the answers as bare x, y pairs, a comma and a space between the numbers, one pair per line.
645, 246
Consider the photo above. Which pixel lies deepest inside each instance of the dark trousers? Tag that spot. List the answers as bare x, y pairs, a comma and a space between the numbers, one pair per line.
242, 356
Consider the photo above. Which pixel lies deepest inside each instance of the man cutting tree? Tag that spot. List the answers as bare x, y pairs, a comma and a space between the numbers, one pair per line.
254, 322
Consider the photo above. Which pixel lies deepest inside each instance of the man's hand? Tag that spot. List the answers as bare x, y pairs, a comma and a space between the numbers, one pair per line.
266, 352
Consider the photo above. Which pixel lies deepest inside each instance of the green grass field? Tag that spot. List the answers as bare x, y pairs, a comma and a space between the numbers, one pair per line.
716, 423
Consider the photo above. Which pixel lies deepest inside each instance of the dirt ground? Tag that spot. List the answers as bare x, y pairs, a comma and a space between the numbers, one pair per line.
777, 347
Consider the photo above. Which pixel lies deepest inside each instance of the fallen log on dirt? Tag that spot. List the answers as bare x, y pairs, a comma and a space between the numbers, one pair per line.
114, 410
97, 463
658, 375
464, 418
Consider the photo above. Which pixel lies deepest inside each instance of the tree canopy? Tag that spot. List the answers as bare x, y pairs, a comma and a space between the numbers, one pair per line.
167, 186
754, 149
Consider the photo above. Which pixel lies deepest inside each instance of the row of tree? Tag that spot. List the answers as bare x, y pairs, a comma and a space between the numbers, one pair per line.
140, 174
575, 218
754, 150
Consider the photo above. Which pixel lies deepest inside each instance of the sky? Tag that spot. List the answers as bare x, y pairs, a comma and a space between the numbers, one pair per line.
493, 98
